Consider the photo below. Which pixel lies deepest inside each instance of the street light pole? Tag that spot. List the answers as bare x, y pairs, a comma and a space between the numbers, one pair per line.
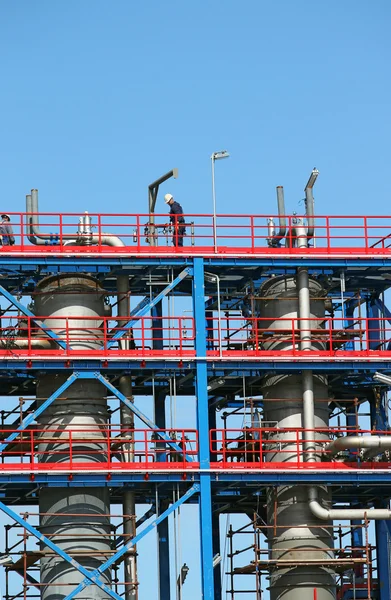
216, 156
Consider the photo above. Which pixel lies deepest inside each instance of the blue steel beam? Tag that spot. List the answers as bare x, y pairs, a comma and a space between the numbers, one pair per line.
135, 411
379, 479
216, 367
113, 559
91, 576
205, 504
101, 262
147, 307
28, 420
383, 559
23, 309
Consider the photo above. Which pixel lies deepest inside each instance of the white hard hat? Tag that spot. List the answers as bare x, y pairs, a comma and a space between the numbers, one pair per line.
167, 198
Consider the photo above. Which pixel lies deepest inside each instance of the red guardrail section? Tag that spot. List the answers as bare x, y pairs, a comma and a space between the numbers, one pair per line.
90, 336
98, 449
279, 337
238, 234
117, 448
283, 448
272, 339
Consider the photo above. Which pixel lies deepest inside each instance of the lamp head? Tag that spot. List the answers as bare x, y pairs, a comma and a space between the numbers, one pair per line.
220, 154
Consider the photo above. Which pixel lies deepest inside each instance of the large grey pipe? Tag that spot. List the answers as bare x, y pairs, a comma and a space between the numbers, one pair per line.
84, 411
375, 443
298, 535
127, 421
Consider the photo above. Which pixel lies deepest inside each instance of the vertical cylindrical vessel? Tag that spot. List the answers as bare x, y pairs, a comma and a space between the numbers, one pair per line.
76, 518
301, 544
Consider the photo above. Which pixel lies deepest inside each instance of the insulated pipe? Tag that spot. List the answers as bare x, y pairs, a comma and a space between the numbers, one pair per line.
30, 235
127, 421
377, 443
281, 212
376, 514
105, 239
38, 238
273, 238
34, 219
309, 197
82, 415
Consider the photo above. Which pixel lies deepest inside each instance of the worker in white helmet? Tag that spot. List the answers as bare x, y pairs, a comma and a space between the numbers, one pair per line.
6, 231
177, 220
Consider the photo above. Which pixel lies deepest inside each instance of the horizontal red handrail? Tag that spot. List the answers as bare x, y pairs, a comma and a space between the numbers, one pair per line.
175, 337
104, 447
201, 233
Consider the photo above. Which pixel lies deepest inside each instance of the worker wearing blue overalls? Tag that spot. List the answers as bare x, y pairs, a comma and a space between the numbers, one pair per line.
177, 220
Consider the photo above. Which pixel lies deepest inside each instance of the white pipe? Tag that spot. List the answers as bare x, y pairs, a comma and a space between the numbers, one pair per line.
373, 442
346, 514
38, 238
106, 239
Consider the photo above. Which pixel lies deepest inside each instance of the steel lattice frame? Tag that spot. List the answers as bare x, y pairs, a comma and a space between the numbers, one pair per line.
206, 482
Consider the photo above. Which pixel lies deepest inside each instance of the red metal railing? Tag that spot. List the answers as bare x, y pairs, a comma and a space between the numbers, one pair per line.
233, 338
98, 448
117, 448
273, 337
238, 234
280, 447
93, 336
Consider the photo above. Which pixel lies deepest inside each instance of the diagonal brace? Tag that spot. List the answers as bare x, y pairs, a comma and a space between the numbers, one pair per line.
91, 576
147, 307
28, 420
136, 412
23, 309
87, 581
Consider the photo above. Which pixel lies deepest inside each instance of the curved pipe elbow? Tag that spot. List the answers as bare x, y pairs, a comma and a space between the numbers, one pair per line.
281, 213
373, 442
310, 212
375, 514
107, 239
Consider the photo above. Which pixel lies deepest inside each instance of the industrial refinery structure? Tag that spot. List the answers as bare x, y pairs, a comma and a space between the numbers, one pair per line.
276, 328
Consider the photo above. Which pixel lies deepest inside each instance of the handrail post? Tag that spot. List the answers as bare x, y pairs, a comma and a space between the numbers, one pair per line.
31, 446
22, 231
70, 449
366, 241
61, 231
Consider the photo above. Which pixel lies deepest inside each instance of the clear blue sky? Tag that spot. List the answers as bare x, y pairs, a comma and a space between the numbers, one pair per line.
99, 98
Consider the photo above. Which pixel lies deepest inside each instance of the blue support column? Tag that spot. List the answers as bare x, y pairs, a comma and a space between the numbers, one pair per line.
205, 504
215, 521
383, 559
